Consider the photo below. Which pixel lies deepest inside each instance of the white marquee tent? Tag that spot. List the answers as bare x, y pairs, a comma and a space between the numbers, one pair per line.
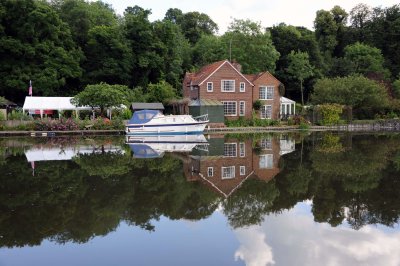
33, 103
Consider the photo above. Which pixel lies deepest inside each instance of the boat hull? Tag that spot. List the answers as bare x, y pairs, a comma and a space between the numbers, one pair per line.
193, 128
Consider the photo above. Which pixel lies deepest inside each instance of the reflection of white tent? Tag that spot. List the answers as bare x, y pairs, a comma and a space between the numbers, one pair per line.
51, 103
286, 146
287, 107
67, 153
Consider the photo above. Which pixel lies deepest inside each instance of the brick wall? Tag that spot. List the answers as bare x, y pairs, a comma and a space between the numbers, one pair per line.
267, 79
226, 72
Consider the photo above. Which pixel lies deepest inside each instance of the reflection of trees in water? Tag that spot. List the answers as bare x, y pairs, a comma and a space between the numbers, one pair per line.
250, 203
78, 200
62, 203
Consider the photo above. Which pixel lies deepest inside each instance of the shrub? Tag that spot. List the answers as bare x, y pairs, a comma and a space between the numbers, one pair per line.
18, 115
55, 125
330, 113
257, 105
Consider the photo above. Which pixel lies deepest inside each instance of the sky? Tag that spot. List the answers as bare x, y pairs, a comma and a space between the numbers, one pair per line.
268, 13
293, 238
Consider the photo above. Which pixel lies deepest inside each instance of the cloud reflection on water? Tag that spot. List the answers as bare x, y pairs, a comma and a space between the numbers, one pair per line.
293, 238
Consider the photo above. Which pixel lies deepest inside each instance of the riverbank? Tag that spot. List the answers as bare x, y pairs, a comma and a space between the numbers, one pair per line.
373, 127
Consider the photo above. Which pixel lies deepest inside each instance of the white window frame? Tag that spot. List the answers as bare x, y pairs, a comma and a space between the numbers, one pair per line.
242, 170
229, 174
242, 87
266, 144
225, 88
210, 87
264, 112
242, 149
230, 149
242, 108
266, 161
210, 171
225, 103
266, 93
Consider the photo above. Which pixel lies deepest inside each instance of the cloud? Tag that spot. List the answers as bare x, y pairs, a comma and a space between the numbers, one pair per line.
293, 238
253, 249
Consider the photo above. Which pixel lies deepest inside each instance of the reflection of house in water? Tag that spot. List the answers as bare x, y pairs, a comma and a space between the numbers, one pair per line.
230, 162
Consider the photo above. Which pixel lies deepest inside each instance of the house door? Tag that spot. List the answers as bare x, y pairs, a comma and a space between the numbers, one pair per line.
266, 112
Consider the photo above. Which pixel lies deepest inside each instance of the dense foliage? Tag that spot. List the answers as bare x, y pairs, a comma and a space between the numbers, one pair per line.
65, 45
357, 92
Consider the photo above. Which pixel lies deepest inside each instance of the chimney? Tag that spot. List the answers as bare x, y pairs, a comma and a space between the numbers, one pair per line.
237, 66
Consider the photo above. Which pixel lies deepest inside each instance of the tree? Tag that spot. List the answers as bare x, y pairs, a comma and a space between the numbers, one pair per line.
250, 45
193, 24
355, 91
35, 45
360, 16
175, 51
103, 96
300, 68
365, 59
160, 92
325, 31
108, 57
146, 48
208, 49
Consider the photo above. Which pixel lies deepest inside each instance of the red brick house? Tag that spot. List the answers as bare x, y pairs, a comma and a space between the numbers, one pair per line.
224, 82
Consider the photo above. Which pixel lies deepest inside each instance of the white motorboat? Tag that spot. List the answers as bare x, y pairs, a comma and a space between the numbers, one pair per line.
147, 122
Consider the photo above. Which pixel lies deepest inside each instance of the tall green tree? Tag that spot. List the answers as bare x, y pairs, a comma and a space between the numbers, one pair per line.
250, 45
108, 56
193, 24
146, 48
209, 49
300, 68
175, 52
365, 59
35, 45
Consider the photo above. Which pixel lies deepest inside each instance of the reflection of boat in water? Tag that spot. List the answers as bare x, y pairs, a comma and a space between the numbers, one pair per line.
153, 146
154, 122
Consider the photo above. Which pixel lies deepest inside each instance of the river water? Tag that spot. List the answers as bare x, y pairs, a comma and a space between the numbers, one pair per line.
236, 199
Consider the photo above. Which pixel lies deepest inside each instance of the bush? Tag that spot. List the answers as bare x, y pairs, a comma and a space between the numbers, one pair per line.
56, 125
18, 115
255, 122
257, 105
330, 113
2, 116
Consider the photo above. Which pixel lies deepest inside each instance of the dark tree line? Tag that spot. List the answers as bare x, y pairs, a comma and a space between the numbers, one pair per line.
64, 45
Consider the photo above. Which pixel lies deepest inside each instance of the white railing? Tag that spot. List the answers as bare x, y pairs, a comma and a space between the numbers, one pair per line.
201, 118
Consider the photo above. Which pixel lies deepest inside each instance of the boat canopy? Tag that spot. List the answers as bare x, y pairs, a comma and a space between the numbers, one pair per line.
143, 151
143, 116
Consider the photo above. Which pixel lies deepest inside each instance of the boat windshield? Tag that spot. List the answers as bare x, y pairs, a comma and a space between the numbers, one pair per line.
143, 151
144, 116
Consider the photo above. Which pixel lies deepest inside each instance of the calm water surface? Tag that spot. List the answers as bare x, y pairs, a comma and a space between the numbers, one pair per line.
263, 199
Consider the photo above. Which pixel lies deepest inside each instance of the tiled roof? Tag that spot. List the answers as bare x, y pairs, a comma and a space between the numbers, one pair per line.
204, 72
